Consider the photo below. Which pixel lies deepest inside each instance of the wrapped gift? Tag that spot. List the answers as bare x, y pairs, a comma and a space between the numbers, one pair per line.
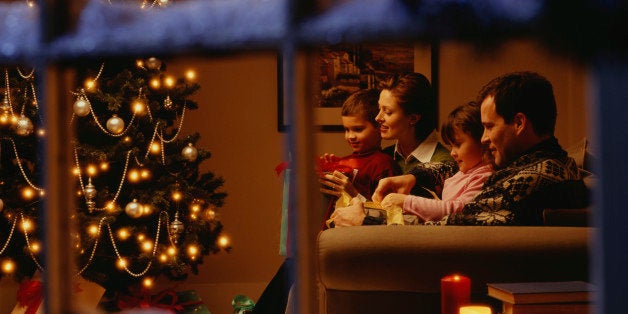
168, 300
85, 295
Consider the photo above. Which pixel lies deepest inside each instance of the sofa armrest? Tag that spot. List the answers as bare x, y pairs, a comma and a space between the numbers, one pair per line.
414, 258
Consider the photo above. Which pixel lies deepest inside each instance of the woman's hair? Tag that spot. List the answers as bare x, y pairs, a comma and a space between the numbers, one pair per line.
414, 95
525, 92
362, 103
465, 118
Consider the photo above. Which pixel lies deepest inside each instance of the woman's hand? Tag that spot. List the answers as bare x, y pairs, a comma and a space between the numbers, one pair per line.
398, 184
352, 215
336, 182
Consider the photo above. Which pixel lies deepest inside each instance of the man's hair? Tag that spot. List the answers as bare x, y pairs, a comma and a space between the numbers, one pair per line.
414, 95
525, 92
362, 103
465, 118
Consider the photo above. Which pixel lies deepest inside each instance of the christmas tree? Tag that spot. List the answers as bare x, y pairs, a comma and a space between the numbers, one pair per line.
144, 208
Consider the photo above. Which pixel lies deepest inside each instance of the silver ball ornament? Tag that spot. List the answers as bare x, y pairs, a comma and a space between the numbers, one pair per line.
190, 153
115, 124
134, 209
153, 63
81, 107
176, 228
23, 126
90, 190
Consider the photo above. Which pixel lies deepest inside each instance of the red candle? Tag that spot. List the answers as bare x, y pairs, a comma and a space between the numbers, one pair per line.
455, 291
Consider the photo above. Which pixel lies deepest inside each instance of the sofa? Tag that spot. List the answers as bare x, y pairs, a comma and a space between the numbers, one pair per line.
397, 269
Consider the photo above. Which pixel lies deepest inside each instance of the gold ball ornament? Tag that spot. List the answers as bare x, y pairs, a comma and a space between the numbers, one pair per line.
81, 107
153, 63
115, 124
190, 153
134, 209
23, 126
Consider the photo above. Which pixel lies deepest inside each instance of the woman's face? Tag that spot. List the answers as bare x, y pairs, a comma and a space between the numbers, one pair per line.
394, 123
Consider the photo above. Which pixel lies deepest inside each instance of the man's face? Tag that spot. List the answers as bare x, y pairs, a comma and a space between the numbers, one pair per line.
499, 136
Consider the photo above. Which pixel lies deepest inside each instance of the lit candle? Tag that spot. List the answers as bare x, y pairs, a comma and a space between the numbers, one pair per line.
475, 309
455, 291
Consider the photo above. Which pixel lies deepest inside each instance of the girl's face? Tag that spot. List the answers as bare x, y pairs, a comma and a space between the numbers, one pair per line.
466, 151
361, 135
394, 123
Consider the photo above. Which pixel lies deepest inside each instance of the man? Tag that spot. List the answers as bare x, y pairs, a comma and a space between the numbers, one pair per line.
532, 171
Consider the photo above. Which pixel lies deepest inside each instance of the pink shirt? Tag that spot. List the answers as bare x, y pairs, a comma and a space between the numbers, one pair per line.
457, 191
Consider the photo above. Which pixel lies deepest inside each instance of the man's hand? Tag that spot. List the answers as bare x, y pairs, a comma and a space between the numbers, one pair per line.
399, 184
352, 215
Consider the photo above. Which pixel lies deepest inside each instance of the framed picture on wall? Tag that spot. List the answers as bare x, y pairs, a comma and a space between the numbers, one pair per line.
344, 69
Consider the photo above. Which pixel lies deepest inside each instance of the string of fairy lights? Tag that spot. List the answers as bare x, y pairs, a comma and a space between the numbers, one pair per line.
132, 172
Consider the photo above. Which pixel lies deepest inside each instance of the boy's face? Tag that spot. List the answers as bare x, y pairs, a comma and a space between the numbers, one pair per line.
361, 135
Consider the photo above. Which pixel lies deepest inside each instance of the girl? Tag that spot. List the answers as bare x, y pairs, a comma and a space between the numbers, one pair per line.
463, 131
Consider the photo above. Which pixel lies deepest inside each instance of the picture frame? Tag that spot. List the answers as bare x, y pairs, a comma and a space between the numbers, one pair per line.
343, 69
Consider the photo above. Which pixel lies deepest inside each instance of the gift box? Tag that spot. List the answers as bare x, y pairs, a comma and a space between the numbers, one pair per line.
85, 295
168, 300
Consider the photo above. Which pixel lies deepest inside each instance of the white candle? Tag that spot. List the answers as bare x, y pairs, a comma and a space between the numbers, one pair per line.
475, 309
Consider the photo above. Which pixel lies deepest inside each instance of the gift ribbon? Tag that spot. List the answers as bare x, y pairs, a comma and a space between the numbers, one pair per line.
166, 299
30, 295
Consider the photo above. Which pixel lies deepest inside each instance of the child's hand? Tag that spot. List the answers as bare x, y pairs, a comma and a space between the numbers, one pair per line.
399, 184
393, 199
336, 182
327, 158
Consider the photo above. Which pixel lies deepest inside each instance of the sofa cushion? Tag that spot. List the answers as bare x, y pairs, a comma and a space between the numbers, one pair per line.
414, 258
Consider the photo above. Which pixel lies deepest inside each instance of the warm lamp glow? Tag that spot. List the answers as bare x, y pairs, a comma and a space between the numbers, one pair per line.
195, 208
147, 210
147, 246
8, 266
141, 237
190, 75
155, 83
172, 251
475, 309
145, 174
169, 81
27, 225
92, 230
176, 196
104, 166
92, 170
121, 263
28, 193
193, 250
155, 148
134, 175
127, 139
147, 282
41, 132
211, 215
163, 258
35, 247
123, 234
111, 206
138, 107
223, 241
139, 63
90, 84
76, 171
5, 118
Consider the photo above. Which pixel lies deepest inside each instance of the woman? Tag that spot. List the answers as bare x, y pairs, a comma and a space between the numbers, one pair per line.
407, 114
